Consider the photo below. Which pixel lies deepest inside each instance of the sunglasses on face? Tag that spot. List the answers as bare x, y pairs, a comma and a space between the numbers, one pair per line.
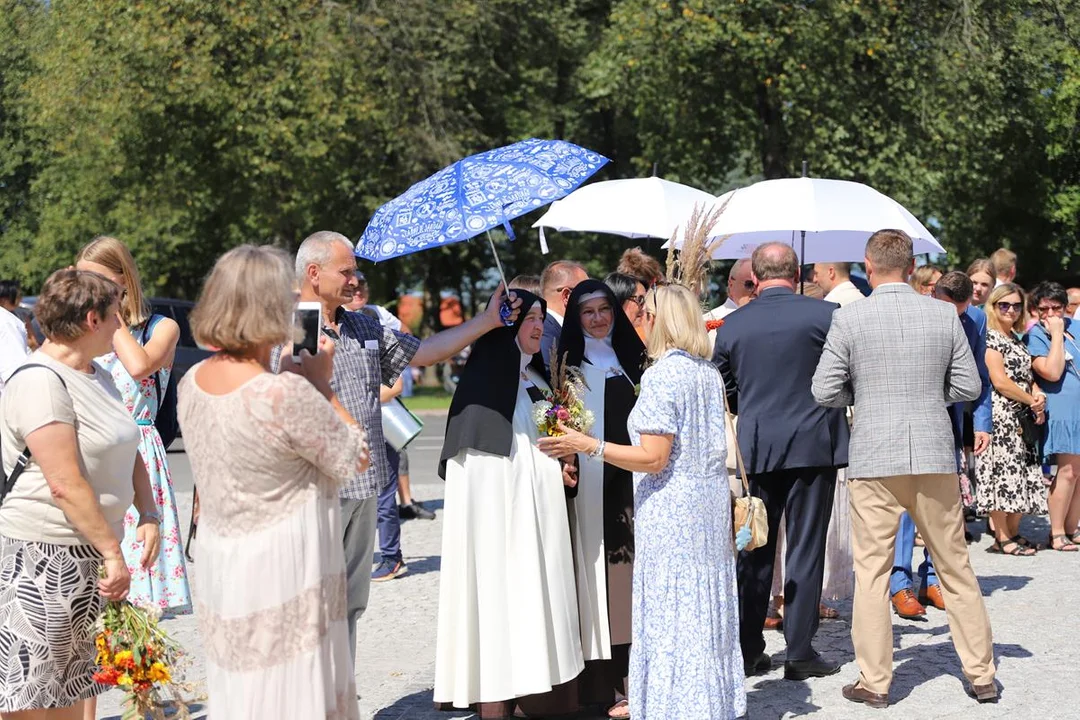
638, 300
1050, 308
1005, 307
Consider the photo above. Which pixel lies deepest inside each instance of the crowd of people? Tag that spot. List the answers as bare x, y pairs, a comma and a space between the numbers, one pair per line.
593, 568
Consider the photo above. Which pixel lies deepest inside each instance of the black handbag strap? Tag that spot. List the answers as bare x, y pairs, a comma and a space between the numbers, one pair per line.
145, 336
24, 456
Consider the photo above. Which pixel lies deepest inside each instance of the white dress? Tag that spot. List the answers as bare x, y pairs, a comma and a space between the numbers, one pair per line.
508, 615
270, 601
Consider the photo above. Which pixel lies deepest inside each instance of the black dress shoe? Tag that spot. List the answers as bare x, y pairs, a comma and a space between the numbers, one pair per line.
759, 666
803, 669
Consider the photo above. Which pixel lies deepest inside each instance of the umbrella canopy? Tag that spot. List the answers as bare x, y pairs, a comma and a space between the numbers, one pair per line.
837, 216
635, 208
476, 194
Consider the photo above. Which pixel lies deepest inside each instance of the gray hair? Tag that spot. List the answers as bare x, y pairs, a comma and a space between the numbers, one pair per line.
317, 249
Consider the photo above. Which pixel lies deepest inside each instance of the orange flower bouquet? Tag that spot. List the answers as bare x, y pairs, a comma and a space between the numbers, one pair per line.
137, 656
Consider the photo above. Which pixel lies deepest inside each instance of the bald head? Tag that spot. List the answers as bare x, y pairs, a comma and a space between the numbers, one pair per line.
829, 275
1074, 301
557, 282
775, 264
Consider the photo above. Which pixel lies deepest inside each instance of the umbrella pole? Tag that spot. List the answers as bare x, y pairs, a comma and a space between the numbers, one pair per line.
802, 262
498, 265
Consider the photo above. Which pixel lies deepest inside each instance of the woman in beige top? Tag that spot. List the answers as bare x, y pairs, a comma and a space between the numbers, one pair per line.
62, 520
268, 453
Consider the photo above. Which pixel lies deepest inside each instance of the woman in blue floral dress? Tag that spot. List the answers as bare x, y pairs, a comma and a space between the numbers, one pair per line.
141, 364
685, 660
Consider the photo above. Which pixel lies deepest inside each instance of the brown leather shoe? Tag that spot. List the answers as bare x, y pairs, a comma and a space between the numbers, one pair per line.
907, 605
774, 623
854, 693
931, 596
985, 693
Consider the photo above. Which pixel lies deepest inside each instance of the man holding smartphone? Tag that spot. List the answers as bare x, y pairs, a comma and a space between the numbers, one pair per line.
367, 357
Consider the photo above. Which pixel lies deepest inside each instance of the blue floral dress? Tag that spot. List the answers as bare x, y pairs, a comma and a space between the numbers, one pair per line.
165, 586
685, 661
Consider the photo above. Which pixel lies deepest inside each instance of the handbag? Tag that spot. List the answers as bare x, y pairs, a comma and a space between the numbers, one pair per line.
1030, 431
750, 519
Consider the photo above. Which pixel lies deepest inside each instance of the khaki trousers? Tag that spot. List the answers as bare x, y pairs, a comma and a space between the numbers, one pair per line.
934, 504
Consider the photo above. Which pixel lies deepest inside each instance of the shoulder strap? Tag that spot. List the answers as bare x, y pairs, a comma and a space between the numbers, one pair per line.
734, 436
24, 457
148, 328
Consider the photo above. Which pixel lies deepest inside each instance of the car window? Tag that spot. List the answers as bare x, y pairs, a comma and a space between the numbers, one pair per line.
179, 313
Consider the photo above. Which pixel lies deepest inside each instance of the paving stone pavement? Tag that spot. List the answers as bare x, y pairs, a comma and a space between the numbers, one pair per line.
1031, 602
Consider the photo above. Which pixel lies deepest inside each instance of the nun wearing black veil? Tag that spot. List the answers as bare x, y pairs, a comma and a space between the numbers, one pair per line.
508, 640
599, 339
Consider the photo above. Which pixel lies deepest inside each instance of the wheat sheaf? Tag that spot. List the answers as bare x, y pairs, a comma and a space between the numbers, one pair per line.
689, 265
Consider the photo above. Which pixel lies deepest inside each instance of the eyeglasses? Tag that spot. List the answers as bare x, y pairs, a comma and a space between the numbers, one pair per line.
1004, 307
637, 299
1050, 308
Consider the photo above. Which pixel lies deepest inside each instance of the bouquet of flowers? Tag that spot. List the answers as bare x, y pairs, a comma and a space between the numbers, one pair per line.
564, 403
137, 656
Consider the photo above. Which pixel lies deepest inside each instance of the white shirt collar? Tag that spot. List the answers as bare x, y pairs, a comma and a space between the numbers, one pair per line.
602, 355
557, 316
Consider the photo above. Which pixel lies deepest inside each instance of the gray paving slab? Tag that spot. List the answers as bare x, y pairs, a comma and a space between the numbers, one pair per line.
1032, 604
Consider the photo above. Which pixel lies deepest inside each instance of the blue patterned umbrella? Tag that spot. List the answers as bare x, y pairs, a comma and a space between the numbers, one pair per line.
476, 194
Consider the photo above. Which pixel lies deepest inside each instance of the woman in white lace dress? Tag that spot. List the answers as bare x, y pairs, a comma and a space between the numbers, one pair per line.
268, 453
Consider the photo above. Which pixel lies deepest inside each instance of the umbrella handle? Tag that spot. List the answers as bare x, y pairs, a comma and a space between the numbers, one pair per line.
504, 308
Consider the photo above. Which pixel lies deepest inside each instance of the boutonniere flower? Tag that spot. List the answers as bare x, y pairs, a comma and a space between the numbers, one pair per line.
637, 389
711, 325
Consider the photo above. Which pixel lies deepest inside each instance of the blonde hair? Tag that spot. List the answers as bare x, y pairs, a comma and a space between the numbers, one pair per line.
247, 301
923, 276
114, 254
1004, 261
993, 318
677, 323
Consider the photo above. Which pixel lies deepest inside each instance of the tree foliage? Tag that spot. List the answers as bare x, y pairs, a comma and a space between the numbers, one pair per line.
186, 127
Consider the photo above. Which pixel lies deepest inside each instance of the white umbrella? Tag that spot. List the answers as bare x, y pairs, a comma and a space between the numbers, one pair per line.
837, 217
635, 208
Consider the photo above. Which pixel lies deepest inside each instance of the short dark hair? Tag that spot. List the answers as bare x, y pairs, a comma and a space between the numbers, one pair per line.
956, 286
9, 290
1048, 291
774, 261
622, 285
67, 297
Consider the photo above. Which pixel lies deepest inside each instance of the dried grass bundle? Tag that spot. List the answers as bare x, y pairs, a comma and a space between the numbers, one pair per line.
689, 266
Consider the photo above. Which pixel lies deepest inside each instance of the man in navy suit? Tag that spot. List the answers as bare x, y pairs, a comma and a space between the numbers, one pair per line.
556, 283
767, 352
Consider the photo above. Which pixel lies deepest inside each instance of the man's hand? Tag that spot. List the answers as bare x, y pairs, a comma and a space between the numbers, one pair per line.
491, 313
982, 442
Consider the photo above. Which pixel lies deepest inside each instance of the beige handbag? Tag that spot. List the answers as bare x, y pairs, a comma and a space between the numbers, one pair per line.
747, 512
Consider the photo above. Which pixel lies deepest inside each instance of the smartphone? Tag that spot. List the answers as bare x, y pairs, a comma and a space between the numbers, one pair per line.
306, 328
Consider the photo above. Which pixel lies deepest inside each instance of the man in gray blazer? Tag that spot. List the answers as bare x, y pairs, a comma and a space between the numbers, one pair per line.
901, 359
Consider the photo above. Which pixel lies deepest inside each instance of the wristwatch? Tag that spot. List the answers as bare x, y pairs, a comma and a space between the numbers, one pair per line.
150, 517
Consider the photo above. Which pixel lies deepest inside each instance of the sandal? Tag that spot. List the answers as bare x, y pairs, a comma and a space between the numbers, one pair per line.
1075, 538
620, 710
1018, 550
1067, 545
827, 613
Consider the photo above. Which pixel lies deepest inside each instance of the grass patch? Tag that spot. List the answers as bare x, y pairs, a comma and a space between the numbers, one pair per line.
428, 398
